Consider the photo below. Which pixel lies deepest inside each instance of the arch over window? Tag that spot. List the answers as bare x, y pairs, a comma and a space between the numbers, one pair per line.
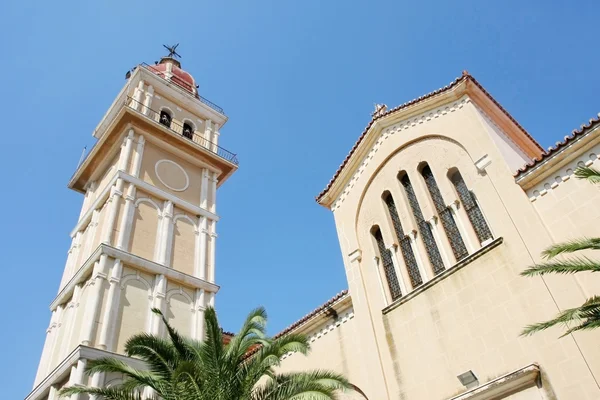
433, 252
165, 118
467, 198
445, 213
188, 130
385, 257
405, 247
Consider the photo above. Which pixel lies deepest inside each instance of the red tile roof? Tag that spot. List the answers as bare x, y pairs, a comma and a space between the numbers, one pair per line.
574, 136
464, 77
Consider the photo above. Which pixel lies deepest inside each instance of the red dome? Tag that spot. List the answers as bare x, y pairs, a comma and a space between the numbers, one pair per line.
170, 69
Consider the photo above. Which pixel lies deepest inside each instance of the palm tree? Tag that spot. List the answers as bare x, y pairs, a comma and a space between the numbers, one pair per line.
586, 316
179, 368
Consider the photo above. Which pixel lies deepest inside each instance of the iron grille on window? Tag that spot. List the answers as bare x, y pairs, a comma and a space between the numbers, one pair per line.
424, 228
188, 132
165, 118
388, 266
405, 247
467, 198
452, 233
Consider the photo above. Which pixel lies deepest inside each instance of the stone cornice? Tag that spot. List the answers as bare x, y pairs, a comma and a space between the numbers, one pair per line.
132, 260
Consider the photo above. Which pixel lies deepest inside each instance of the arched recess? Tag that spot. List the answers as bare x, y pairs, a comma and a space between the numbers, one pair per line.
144, 229
134, 306
184, 244
179, 313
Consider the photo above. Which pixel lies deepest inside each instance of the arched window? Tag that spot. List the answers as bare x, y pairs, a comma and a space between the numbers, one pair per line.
188, 131
467, 198
165, 118
385, 258
424, 228
445, 213
405, 247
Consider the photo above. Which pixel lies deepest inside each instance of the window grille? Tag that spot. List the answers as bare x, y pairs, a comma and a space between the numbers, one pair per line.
165, 118
467, 198
385, 256
405, 247
452, 233
424, 228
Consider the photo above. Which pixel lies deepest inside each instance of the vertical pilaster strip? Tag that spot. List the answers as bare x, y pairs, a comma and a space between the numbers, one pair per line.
69, 321
125, 155
166, 241
207, 133
199, 307
97, 381
137, 156
415, 248
204, 189
113, 207
160, 289
71, 260
454, 208
200, 266
215, 138
433, 222
92, 226
47, 350
138, 92
393, 249
148, 100
212, 226
92, 308
127, 219
107, 331
53, 395
77, 376
378, 265
213, 193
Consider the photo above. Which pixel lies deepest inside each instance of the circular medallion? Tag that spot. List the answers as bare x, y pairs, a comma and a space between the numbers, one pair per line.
172, 175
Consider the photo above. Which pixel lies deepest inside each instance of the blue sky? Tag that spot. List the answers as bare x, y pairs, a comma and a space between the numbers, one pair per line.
298, 81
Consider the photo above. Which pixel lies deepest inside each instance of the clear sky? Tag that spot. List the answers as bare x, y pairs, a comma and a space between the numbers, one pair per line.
298, 81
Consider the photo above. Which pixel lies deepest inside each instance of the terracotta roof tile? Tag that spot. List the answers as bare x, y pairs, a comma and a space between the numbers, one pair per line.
464, 77
575, 135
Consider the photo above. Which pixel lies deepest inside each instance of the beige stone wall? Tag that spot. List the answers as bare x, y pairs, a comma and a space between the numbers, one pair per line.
175, 176
184, 243
144, 227
472, 318
179, 310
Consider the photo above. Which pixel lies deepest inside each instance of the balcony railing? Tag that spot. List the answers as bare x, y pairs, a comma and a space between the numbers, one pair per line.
182, 129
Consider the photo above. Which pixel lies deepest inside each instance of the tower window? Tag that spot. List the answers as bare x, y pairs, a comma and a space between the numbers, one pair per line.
405, 247
424, 228
448, 223
467, 198
388, 265
165, 118
188, 131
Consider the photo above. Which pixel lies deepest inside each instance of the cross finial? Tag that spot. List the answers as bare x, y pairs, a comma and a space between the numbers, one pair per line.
172, 51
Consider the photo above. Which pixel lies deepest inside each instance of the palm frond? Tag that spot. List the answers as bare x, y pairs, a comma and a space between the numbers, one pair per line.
590, 174
106, 393
586, 316
571, 247
569, 266
177, 340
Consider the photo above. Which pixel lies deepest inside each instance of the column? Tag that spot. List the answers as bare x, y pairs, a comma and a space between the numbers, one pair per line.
417, 252
48, 346
398, 268
89, 240
160, 289
200, 252
138, 92
71, 260
89, 194
204, 189
207, 133
77, 376
215, 138
433, 222
166, 240
211, 250
210, 299
113, 207
137, 156
97, 381
127, 218
107, 331
92, 308
213, 193
148, 100
198, 324
53, 395
126, 150
69, 321
467, 239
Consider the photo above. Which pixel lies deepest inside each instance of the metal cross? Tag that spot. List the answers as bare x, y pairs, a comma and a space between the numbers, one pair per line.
172, 50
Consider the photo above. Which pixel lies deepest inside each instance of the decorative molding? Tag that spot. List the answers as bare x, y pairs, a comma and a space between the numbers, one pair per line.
565, 173
180, 291
165, 161
149, 201
390, 131
136, 277
187, 217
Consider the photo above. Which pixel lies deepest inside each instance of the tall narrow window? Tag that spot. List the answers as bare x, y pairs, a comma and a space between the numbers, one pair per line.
165, 118
445, 213
405, 247
385, 257
467, 198
188, 131
424, 228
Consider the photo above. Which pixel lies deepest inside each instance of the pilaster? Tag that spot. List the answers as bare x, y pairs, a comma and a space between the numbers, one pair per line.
393, 249
204, 189
417, 252
462, 228
435, 229
137, 157
212, 245
138, 92
107, 331
198, 323
127, 219
148, 100
200, 253
126, 150
166, 241
160, 290
113, 207
92, 308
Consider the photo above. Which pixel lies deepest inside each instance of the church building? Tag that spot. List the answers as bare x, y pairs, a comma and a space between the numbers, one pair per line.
439, 206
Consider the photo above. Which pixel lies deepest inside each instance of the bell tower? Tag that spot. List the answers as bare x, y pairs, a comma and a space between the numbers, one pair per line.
147, 229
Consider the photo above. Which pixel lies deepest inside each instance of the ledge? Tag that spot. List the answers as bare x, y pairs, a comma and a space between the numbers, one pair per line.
459, 265
140, 263
514, 381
